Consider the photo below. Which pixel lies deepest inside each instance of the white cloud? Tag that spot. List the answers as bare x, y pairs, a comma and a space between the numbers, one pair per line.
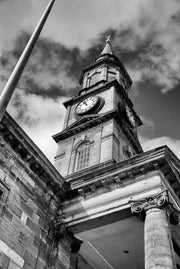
42, 133
155, 36
13, 15
77, 23
81, 23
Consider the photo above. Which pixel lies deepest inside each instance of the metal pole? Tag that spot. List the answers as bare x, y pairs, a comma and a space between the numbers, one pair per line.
16, 74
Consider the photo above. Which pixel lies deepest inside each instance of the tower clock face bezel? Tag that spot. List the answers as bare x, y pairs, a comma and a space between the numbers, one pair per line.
87, 105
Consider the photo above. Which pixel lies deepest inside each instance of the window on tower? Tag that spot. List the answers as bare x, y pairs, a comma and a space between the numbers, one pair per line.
93, 78
82, 155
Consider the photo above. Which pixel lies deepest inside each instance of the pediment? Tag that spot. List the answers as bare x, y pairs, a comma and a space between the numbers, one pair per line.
83, 120
82, 124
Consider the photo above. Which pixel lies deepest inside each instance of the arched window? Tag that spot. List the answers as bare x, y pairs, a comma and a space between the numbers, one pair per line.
82, 155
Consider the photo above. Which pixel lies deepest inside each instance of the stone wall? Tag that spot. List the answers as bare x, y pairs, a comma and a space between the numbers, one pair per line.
25, 214
31, 195
27, 207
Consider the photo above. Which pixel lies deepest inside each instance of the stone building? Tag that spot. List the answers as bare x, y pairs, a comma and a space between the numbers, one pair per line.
107, 204
28, 187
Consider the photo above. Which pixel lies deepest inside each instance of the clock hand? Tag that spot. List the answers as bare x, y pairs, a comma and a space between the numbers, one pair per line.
84, 102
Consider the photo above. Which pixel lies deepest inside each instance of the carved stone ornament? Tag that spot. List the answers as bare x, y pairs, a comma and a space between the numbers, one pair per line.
156, 201
58, 228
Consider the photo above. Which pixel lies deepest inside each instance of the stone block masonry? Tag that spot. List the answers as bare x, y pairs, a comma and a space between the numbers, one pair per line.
27, 206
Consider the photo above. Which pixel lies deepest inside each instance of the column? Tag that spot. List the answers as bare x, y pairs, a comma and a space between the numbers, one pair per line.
157, 239
158, 246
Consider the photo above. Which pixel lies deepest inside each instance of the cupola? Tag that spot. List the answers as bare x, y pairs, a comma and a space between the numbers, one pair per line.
107, 67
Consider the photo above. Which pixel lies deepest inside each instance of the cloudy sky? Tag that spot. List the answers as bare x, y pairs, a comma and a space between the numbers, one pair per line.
145, 37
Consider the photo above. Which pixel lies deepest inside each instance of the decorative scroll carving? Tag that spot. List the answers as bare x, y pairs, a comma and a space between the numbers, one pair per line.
156, 201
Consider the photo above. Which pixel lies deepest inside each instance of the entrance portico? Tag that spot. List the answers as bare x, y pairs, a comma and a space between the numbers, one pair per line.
115, 235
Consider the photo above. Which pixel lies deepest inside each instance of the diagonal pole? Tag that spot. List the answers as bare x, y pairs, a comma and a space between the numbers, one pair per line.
16, 74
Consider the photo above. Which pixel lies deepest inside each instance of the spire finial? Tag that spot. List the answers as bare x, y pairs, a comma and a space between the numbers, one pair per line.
108, 39
107, 49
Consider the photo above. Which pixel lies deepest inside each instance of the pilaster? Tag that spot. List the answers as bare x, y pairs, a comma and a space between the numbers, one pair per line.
65, 249
75, 247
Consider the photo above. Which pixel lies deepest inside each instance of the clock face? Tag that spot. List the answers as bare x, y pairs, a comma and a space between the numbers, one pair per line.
130, 116
86, 105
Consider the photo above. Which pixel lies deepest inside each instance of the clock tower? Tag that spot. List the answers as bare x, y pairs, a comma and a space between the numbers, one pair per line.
100, 127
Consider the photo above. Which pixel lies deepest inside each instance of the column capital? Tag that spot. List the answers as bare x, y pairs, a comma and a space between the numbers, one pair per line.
156, 201
160, 200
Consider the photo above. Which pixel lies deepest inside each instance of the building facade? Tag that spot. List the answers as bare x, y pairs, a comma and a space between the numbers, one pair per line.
125, 200
107, 204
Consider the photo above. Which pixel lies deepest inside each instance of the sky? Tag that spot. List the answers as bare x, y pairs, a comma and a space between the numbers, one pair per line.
145, 37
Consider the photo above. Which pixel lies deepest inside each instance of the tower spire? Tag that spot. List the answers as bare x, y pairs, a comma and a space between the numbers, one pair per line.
16, 74
107, 48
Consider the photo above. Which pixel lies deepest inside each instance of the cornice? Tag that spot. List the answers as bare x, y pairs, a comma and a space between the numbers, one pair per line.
110, 204
122, 173
125, 170
30, 155
69, 132
107, 194
92, 90
109, 59
82, 127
